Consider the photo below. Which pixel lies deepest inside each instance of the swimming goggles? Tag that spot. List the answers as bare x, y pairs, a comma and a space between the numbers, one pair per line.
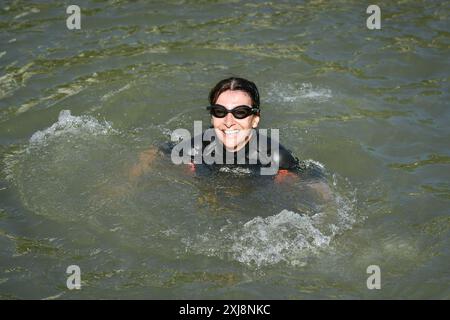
239, 112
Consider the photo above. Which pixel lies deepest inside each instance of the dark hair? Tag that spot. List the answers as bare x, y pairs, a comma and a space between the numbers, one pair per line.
235, 83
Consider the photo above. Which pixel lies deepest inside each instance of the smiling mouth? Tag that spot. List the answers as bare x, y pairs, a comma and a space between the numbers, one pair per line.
230, 132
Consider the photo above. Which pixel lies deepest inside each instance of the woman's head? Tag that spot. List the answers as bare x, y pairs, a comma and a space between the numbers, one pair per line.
230, 93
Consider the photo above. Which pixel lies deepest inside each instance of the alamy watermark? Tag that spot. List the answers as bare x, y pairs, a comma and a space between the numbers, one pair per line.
374, 280
256, 149
374, 20
74, 280
73, 22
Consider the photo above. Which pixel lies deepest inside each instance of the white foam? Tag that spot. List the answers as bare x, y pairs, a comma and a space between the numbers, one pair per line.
68, 124
311, 162
235, 170
287, 236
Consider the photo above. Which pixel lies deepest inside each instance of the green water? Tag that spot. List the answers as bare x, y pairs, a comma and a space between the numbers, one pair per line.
368, 105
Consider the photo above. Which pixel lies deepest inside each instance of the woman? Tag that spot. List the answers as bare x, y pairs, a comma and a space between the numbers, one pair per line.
233, 141
235, 115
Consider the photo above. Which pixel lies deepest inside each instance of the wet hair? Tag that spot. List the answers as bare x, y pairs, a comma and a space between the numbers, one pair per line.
235, 83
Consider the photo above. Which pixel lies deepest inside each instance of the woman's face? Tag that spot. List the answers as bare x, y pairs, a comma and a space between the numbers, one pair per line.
234, 133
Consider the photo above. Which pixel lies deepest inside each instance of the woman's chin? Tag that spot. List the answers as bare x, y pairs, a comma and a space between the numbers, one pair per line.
232, 146
235, 142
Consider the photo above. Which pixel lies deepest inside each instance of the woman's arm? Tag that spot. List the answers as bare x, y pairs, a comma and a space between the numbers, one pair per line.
322, 189
145, 161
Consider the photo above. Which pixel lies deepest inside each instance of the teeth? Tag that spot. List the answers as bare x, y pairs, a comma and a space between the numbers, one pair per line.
231, 131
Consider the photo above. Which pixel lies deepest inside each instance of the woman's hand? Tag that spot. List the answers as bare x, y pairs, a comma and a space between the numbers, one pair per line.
322, 189
285, 176
146, 159
124, 188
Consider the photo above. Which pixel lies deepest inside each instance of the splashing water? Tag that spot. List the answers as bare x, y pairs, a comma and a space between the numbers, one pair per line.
64, 167
287, 237
295, 93
72, 125
61, 167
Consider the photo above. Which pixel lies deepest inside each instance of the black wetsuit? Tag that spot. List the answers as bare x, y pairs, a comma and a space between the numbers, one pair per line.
251, 159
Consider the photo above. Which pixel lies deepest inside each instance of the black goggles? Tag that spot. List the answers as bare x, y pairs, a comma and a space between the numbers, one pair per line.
239, 112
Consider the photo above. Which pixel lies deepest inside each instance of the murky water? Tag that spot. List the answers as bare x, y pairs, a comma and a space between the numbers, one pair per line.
77, 108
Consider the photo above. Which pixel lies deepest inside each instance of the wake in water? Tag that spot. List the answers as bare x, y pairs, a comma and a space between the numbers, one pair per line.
286, 237
74, 172
68, 125
62, 166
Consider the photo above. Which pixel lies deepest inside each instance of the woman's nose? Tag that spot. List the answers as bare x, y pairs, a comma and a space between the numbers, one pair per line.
229, 120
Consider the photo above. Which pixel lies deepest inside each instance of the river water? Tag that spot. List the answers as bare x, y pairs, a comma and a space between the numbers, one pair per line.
77, 107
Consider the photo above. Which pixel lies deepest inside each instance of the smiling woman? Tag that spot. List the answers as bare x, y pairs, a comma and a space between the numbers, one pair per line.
227, 98
365, 111
234, 145
235, 115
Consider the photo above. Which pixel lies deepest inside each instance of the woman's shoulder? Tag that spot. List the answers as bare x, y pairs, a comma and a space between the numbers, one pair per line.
286, 160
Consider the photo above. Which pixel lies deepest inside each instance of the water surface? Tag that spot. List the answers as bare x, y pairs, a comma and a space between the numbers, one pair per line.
77, 108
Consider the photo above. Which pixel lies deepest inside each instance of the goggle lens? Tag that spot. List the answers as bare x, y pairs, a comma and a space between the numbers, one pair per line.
239, 112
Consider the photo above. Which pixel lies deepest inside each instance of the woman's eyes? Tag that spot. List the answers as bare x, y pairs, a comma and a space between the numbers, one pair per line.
221, 112
240, 113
